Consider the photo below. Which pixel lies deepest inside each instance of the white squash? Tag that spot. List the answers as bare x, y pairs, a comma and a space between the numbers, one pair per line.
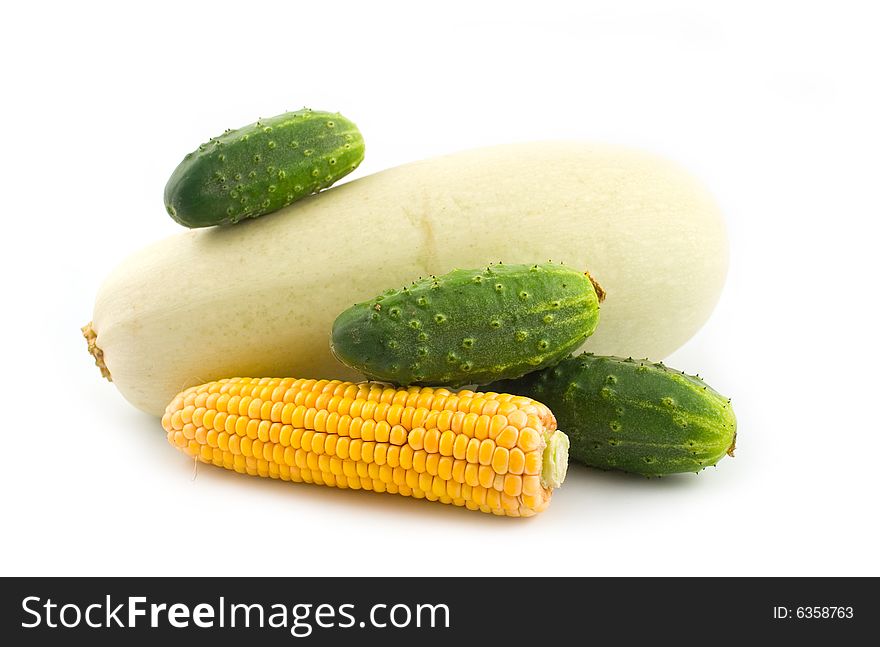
259, 298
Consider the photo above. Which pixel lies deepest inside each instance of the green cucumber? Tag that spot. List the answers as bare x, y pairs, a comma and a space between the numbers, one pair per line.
631, 415
262, 167
469, 326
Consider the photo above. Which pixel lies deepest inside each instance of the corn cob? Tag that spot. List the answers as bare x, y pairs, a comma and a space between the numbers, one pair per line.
493, 452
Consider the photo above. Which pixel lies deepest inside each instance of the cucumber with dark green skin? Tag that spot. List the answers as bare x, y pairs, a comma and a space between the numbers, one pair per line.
469, 326
632, 415
262, 167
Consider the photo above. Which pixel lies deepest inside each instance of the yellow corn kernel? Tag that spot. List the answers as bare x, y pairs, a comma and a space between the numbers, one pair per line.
309, 418
529, 439
354, 428
481, 427
457, 421
472, 454
500, 459
398, 435
298, 416
459, 447
512, 485
393, 415
354, 449
486, 476
305, 441
382, 430
406, 457
516, 461
406, 417
533, 463
342, 445
517, 418
367, 451
467, 424
458, 467
444, 467
507, 437
275, 410
472, 474
447, 440
481, 451
320, 423
487, 447
432, 441
318, 442
420, 459
416, 438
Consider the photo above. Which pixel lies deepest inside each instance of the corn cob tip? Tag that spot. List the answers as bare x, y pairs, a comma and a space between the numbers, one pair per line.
95, 351
555, 460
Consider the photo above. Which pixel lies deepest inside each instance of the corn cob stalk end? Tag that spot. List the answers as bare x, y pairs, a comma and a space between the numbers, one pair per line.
555, 460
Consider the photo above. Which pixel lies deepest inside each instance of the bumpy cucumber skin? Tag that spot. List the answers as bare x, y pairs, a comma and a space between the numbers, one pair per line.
469, 326
632, 415
262, 167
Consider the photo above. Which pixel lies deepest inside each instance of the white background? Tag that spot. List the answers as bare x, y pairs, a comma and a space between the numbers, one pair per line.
774, 105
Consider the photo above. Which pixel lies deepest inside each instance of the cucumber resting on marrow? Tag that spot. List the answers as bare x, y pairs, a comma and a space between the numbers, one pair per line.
632, 415
262, 167
470, 326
